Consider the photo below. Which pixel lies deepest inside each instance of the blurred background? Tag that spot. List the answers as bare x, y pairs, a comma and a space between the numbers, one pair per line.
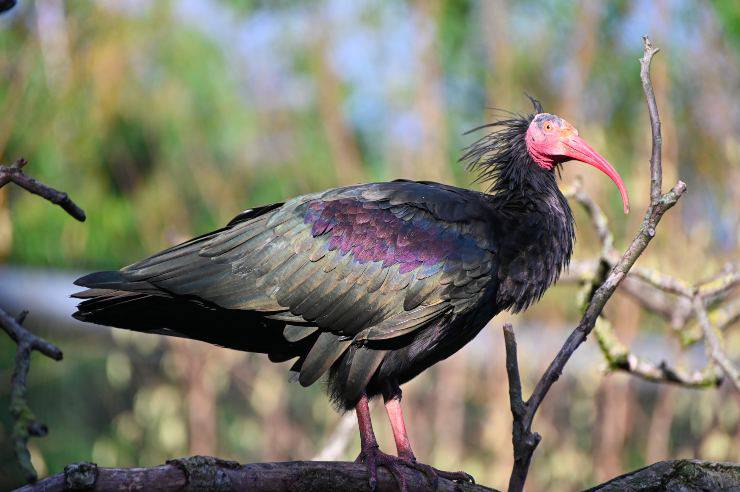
165, 119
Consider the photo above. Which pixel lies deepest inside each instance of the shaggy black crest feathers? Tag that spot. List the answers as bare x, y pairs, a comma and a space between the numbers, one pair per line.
502, 158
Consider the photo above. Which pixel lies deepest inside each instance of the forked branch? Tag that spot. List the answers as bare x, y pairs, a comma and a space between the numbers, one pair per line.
714, 346
523, 439
25, 424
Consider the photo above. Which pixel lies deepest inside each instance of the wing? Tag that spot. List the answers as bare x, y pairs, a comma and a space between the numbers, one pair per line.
366, 263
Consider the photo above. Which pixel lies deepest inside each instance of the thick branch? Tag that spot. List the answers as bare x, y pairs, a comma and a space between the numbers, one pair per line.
15, 174
25, 424
199, 473
677, 475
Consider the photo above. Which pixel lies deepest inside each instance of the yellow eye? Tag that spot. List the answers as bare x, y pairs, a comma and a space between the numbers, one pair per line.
548, 126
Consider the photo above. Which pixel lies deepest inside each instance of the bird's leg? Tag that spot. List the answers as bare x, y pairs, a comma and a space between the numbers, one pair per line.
392, 399
392, 396
370, 453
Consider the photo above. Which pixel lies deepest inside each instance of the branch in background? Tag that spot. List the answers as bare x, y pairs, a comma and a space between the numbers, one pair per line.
619, 357
198, 473
524, 440
14, 173
25, 424
720, 317
714, 345
676, 311
650, 288
666, 295
648, 296
600, 222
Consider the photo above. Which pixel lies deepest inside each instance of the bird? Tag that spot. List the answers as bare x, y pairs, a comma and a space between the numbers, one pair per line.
368, 285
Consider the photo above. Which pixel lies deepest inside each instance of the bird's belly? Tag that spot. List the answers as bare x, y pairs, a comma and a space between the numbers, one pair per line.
435, 344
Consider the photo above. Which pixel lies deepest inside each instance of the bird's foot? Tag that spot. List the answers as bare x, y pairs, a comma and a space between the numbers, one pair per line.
434, 474
373, 457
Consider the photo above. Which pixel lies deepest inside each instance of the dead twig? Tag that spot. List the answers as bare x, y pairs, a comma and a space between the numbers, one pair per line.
14, 173
25, 425
714, 345
720, 317
524, 440
656, 161
619, 357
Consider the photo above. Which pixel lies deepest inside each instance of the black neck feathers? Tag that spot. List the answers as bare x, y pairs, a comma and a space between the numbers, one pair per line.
534, 224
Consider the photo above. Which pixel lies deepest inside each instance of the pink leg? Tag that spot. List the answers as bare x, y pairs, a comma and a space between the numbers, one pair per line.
370, 453
367, 435
395, 416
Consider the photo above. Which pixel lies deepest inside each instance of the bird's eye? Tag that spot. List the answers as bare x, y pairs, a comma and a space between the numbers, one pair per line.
548, 126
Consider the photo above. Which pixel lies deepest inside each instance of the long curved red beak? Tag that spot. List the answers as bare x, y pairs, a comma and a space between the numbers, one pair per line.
577, 148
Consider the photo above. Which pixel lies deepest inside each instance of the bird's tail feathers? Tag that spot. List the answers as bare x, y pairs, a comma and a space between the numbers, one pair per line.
112, 300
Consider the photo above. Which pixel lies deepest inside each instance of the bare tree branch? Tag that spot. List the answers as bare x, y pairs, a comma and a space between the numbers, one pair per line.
657, 292
14, 173
523, 440
600, 222
676, 475
714, 346
25, 425
664, 282
720, 317
619, 357
656, 161
198, 473
659, 204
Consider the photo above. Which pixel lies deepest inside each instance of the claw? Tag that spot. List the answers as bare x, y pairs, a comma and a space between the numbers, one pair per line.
373, 457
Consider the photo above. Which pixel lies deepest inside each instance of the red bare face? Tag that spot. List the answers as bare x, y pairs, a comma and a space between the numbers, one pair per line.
552, 140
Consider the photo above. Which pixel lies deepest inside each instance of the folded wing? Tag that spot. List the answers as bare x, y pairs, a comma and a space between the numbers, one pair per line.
364, 264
